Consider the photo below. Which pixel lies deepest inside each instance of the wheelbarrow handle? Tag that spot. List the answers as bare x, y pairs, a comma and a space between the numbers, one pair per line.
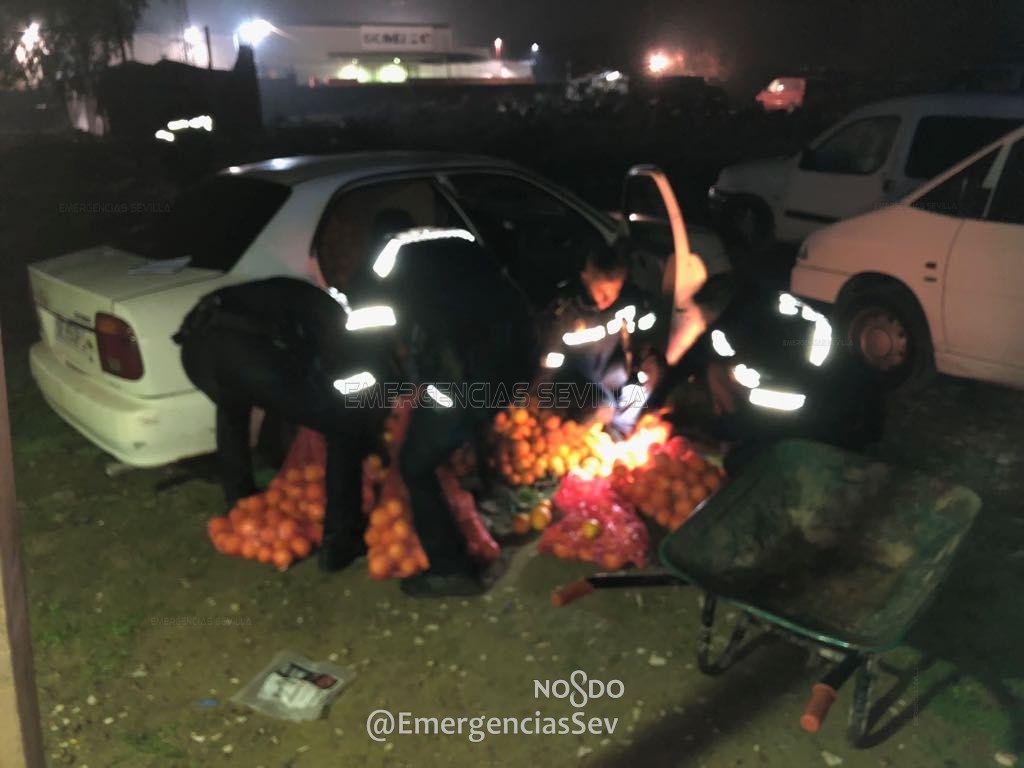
571, 592
823, 696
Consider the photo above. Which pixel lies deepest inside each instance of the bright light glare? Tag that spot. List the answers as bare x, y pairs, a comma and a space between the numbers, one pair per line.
721, 344
356, 383
393, 73
381, 316
658, 62
339, 297
554, 360
584, 336
439, 397
234, 169
385, 261
202, 121
748, 377
641, 377
252, 32
788, 305
646, 322
778, 401
613, 76
352, 71
194, 35
821, 341
164, 135
281, 163
177, 125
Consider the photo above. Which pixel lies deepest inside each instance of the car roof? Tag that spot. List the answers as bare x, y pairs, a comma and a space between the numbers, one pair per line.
967, 104
302, 168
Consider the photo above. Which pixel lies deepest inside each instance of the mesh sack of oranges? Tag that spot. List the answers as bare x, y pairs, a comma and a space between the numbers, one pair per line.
393, 548
670, 485
531, 446
285, 522
596, 525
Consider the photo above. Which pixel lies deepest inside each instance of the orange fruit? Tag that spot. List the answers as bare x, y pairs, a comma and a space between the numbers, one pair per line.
612, 561
540, 517
299, 546
378, 566
269, 534
232, 543
407, 567
315, 492
315, 511
698, 493
591, 529
663, 518
273, 496
371, 537
315, 532
265, 554
396, 551
289, 507
393, 509
293, 475
501, 421
551, 423
313, 473
287, 529
248, 528
250, 548
562, 550
236, 515
421, 558
282, 558
519, 416
273, 517
218, 542
529, 478
401, 530
521, 523
251, 503
218, 525
293, 491
712, 480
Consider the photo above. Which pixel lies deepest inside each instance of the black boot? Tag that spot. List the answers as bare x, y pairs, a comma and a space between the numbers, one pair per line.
338, 551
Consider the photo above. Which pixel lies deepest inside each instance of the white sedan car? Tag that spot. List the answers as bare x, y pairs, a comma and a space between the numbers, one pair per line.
106, 362
936, 281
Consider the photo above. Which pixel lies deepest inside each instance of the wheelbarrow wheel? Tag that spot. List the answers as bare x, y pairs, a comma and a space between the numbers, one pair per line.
718, 665
860, 708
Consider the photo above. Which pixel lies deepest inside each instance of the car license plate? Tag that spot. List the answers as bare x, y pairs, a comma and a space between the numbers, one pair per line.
74, 335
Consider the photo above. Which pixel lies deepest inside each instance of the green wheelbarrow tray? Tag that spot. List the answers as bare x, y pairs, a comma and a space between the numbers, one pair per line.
826, 544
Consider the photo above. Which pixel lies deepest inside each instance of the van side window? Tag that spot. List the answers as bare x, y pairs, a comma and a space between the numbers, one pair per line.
941, 141
961, 194
860, 148
1008, 202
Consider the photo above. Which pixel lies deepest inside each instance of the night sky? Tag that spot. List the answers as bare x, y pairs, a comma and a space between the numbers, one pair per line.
748, 35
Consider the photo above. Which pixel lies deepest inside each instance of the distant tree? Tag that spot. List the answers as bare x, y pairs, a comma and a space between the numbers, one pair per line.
64, 43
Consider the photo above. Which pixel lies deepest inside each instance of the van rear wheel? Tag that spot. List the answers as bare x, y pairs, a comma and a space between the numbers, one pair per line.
888, 333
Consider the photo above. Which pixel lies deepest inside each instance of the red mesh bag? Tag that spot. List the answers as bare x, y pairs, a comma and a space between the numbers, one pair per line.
597, 526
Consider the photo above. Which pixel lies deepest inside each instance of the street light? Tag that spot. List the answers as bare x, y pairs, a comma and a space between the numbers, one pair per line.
252, 32
658, 62
535, 49
498, 43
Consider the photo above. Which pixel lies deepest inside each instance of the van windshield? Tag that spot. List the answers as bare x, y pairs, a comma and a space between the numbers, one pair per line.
942, 141
213, 223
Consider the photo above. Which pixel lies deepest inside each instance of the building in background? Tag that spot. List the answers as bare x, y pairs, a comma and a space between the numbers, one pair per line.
321, 55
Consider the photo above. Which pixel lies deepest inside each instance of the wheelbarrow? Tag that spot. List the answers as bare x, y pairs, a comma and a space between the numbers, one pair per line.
829, 549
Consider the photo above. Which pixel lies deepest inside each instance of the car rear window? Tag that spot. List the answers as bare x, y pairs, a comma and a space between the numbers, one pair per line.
214, 222
944, 140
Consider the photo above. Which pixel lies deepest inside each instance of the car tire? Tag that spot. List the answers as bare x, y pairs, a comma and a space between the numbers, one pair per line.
888, 333
749, 224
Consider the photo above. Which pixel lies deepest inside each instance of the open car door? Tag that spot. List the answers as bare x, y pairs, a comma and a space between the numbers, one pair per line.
653, 220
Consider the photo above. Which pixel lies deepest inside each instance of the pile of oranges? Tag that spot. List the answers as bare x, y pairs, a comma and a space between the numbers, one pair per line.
670, 485
531, 447
277, 526
392, 548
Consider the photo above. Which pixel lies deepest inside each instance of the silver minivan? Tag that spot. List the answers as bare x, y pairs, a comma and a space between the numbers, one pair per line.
875, 155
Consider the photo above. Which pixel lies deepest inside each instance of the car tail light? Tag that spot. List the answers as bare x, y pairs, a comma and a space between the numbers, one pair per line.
119, 351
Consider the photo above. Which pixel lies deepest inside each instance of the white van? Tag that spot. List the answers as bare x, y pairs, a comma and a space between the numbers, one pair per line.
875, 155
935, 281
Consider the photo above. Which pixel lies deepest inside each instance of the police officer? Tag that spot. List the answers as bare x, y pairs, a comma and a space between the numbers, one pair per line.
601, 332
466, 343
280, 344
